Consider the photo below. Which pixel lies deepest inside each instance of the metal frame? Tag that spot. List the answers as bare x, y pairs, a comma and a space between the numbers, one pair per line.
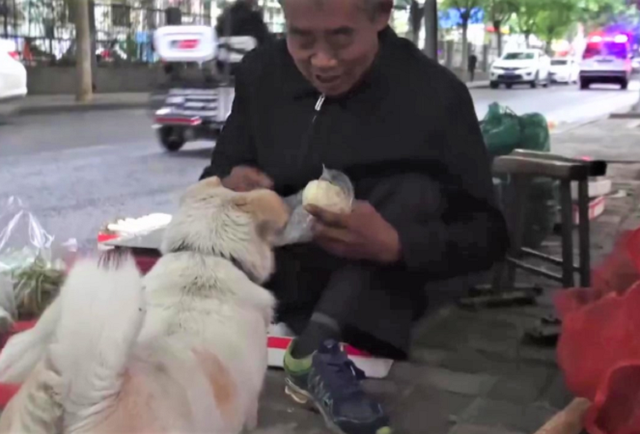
521, 167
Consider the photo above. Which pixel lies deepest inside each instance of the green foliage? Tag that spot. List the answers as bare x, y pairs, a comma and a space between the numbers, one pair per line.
528, 15
556, 19
499, 11
598, 13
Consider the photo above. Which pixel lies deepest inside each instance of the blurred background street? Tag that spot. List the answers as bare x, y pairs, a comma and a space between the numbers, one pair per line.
77, 170
81, 148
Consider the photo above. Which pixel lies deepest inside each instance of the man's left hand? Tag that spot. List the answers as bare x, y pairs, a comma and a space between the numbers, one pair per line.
361, 235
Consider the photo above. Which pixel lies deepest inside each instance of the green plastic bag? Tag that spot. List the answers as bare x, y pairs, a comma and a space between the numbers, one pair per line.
504, 131
535, 133
501, 130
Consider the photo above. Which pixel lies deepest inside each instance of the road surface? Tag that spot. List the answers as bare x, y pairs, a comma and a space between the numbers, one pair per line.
77, 171
559, 103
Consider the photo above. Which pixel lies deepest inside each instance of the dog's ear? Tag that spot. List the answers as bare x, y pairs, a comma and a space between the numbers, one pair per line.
267, 209
213, 182
201, 189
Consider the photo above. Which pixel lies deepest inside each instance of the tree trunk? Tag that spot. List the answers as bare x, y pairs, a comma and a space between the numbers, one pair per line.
497, 27
465, 47
527, 35
84, 91
430, 13
416, 13
5, 15
94, 45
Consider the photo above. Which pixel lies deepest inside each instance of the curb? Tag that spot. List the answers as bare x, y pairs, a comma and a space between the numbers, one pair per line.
625, 113
629, 115
78, 108
484, 84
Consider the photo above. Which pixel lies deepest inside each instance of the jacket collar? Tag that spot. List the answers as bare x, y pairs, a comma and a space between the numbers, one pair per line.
297, 85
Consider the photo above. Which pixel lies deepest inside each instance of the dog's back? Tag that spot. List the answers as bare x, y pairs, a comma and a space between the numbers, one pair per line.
209, 305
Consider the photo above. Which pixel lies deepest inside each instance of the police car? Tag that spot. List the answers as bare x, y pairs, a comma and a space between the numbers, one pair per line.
606, 59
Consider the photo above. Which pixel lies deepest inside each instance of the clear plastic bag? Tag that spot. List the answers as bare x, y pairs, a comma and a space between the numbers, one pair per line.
7, 304
298, 230
32, 259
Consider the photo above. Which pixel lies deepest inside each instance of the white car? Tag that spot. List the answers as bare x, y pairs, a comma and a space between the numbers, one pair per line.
565, 70
529, 66
13, 75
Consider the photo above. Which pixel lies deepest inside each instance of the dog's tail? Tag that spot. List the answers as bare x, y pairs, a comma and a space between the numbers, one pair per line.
102, 311
25, 350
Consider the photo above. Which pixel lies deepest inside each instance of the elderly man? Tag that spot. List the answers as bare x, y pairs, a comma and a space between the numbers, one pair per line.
344, 91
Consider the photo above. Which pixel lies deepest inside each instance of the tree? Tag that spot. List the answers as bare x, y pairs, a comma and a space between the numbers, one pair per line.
84, 90
595, 14
499, 12
528, 16
465, 9
555, 20
416, 13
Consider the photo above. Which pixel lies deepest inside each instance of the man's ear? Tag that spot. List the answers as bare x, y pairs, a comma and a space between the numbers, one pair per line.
383, 14
267, 209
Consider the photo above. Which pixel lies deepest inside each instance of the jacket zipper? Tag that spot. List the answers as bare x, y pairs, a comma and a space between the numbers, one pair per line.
306, 148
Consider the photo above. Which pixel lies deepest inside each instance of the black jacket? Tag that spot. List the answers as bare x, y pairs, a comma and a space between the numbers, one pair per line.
243, 21
409, 115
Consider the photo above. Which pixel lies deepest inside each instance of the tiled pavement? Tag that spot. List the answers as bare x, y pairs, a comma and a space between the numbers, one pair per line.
471, 372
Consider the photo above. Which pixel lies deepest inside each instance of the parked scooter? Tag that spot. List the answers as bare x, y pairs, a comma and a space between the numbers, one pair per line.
196, 97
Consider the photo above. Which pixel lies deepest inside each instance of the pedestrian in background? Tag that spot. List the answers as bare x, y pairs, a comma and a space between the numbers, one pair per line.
243, 18
472, 63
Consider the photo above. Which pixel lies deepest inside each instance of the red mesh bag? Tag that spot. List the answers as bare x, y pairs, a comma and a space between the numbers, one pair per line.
599, 348
618, 272
616, 408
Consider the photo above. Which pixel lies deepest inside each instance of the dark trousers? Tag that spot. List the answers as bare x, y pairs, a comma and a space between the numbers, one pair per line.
375, 305
472, 74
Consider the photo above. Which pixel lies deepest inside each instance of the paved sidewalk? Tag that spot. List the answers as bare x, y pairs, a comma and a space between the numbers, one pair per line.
614, 139
50, 104
471, 372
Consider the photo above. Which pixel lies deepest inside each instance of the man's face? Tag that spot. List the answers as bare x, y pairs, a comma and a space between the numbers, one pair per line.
332, 42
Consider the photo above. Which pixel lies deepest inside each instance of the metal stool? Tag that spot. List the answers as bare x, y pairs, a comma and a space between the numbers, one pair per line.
520, 167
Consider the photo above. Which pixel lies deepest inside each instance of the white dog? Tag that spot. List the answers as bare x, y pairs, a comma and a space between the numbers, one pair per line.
182, 350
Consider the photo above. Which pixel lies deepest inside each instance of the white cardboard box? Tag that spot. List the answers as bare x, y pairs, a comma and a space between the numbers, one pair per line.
596, 207
597, 187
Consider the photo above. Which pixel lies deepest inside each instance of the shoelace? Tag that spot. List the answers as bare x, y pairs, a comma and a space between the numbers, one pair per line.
347, 376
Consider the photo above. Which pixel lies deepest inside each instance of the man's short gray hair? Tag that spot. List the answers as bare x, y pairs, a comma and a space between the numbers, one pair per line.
371, 7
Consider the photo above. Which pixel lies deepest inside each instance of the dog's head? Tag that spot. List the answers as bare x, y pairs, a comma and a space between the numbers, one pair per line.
241, 227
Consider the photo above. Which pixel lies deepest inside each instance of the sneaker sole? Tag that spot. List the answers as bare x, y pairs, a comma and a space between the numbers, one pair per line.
304, 398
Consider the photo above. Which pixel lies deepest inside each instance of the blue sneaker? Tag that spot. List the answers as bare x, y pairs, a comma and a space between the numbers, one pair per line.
331, 381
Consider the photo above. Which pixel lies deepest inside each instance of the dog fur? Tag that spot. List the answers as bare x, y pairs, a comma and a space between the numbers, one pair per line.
182, 350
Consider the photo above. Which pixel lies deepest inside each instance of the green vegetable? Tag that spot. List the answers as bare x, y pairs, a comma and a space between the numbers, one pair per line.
35, 287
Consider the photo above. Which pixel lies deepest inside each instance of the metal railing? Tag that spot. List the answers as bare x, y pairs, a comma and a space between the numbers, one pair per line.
44, 30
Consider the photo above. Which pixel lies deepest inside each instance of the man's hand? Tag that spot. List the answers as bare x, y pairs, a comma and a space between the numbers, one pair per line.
245, 178
362, 235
